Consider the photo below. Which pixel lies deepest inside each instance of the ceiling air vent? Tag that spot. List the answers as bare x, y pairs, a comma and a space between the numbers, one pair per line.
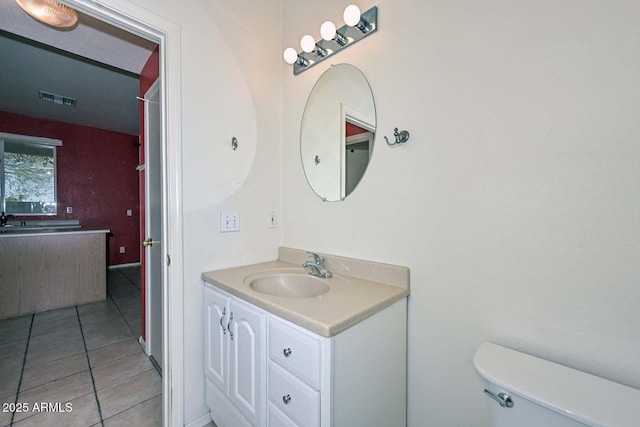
57, 99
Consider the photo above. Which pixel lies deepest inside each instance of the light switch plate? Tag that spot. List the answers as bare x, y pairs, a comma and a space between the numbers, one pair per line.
272, 218
229, 222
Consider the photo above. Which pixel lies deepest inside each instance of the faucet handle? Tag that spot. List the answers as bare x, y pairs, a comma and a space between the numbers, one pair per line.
316, 258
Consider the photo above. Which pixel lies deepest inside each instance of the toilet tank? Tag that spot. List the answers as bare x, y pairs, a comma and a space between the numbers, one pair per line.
544, 393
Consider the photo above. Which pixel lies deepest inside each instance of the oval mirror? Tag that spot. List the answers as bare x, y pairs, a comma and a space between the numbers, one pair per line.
338, 132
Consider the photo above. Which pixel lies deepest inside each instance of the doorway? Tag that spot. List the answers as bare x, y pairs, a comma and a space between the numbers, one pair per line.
141, 22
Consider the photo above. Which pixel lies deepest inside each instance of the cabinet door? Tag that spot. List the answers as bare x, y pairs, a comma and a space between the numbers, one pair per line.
247, 361
216, 314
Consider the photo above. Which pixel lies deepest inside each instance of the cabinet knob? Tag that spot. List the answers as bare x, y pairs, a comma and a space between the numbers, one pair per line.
286, 399
286, 352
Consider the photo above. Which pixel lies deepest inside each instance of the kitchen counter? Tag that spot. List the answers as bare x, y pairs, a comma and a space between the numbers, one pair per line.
21, 232
370, 288
43, 270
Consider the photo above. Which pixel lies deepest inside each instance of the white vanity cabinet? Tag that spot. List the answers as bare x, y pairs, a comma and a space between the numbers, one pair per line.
299, 378
235, 358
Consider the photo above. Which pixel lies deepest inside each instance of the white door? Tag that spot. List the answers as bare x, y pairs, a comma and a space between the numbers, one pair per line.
216, 317
247, 361
153, 218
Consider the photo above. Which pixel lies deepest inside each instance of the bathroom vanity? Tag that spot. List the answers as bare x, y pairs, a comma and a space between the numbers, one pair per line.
284, 350
42, 270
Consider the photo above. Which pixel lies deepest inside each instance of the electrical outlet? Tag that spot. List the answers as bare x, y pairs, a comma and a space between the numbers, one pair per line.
121, 249
129, 212
272, 218
229, 222
69, 209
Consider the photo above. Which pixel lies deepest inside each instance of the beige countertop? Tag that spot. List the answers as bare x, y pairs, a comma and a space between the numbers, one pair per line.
359, 289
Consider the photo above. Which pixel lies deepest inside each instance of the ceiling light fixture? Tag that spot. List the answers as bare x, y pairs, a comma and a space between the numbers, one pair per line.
50, 12
357, 26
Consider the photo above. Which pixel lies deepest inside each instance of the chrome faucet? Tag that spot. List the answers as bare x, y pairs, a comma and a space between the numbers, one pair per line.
316, 267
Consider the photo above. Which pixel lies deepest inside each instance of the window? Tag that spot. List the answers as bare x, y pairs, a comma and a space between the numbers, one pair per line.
28, 175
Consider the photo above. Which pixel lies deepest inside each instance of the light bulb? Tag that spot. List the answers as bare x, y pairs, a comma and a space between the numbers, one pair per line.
308, 43
351, 15
290, 55
328, 30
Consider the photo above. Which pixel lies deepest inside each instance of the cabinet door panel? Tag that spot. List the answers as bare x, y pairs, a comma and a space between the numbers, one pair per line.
216, 347
247, 361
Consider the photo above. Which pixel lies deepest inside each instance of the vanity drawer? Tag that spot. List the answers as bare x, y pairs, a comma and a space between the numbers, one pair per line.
296, 351
277, 418
294, 398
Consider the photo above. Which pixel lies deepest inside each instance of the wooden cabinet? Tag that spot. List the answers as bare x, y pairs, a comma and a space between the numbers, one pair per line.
234, 356
44, 271
263, 370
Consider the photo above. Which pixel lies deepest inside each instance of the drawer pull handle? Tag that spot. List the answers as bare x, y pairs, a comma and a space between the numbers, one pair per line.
286, 352
229, 326
286, 399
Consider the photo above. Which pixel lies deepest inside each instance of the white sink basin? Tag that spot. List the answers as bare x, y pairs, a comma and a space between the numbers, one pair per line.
289, 284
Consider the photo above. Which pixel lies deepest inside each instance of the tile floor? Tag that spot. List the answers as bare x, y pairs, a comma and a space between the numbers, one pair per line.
86, 359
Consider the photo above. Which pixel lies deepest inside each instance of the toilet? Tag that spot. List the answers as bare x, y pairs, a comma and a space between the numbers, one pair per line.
526, 391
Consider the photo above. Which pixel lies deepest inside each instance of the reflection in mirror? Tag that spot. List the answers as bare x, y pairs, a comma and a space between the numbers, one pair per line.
338, 132
358, 146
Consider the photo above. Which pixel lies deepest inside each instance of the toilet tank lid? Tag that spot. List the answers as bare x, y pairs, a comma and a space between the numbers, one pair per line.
586, 398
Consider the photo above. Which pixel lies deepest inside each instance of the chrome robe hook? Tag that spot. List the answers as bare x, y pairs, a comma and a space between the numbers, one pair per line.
401, 137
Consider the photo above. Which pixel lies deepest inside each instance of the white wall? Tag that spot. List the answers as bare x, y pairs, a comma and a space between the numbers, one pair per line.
515, 203
231, 86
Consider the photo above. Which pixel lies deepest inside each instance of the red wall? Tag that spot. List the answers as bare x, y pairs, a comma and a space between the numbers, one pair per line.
96, 176
352, 129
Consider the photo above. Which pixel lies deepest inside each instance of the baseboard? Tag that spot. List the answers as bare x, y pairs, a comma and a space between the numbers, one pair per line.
200, 422
131, 264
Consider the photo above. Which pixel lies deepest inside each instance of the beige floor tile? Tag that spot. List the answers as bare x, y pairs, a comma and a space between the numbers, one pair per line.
67, 323
48, 316
62, 390
13, 335
145, 414
103, 305
105, 336
115, 351
53, 338
63, 349
16, 348
120, 370
9, 384
129, 393
83, 412
15, 323
10, 363
114, 322
5, 417
61, 368
103, 316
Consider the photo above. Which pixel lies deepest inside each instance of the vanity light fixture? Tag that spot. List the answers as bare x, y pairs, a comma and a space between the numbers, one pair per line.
357, 26
292, 57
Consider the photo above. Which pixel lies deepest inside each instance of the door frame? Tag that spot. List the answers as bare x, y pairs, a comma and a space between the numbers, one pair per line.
166, 34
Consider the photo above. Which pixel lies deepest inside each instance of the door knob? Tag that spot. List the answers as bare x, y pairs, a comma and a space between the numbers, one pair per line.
149, 242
